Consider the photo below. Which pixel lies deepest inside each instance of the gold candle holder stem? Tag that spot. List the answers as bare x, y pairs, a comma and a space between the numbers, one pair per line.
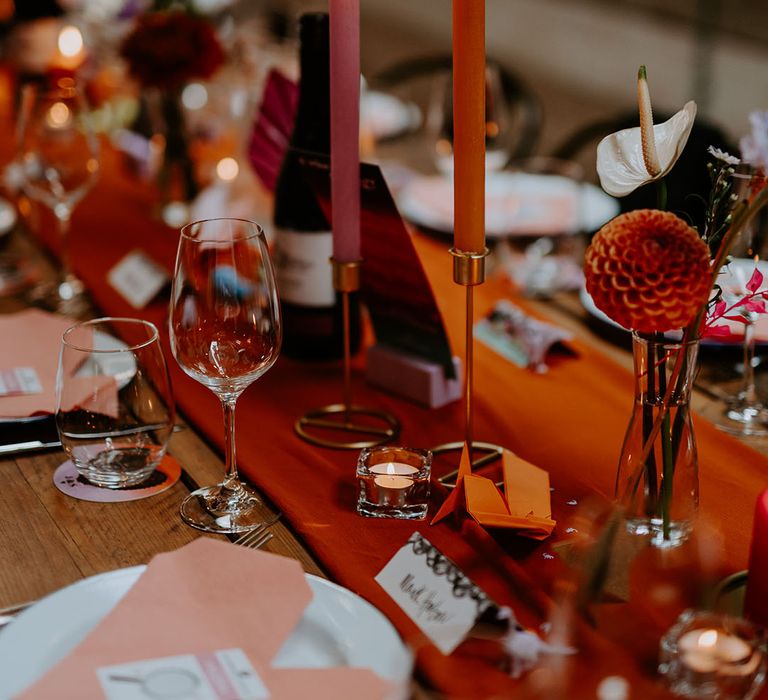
346, 279
347, 354
468, 271
469, 370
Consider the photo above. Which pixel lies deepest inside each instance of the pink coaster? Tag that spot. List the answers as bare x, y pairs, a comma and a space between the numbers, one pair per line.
69, 482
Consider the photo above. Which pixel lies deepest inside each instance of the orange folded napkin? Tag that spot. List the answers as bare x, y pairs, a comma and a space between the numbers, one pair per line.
206, 597
31, 338
525, 504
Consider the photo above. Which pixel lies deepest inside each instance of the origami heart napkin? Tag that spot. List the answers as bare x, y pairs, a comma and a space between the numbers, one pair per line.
524, 505
207, 596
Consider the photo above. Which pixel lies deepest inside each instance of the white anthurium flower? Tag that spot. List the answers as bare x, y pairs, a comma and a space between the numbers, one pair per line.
620, 162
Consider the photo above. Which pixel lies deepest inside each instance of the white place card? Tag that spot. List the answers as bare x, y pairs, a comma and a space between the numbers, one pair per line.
433, 592
137, 278
219, 675
19, 380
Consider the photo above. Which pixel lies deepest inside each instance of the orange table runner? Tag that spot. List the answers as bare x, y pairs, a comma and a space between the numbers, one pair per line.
569, 421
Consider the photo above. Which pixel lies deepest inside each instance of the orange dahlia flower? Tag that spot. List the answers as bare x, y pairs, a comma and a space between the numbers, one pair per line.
649, 271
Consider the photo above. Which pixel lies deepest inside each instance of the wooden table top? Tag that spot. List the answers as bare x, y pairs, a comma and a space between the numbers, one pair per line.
48, 540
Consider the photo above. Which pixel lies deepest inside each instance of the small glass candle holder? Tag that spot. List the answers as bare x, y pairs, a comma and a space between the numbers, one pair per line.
393, 482
711, 655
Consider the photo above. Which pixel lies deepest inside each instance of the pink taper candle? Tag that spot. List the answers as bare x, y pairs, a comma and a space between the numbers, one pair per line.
469, 125
345, 128
756, 602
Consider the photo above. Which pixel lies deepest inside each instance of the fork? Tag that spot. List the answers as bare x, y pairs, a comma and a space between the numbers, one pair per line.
259, 536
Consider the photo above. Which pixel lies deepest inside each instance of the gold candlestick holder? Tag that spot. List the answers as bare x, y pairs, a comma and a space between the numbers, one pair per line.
468, 271
376, 426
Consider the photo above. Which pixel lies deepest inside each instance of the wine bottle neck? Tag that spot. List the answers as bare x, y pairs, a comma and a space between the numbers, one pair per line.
312, 130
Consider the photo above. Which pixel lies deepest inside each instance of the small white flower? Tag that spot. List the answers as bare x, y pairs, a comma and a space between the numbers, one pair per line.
727, 158
620, 163
754, 147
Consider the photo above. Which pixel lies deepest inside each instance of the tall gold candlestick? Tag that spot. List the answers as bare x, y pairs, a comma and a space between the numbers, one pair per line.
468, 271
383, 427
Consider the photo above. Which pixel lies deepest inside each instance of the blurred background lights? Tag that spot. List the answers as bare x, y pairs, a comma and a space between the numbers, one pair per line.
194, 96
70, 41
227, 169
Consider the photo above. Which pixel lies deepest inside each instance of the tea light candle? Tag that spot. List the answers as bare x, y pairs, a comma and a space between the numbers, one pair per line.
393, 482
710, 649
393, 479
706, 654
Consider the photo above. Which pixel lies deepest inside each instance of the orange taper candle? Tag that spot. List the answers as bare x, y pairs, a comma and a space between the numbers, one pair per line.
469, 125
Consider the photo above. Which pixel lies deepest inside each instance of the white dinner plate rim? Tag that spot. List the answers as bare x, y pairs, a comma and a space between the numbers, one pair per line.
28, 625
591, 219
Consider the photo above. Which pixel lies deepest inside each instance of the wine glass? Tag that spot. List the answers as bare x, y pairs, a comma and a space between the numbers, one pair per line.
439, 122
59, 158
744, 413
225, 331
114, 409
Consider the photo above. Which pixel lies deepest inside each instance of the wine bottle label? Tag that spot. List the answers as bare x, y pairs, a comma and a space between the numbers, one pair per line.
303, 268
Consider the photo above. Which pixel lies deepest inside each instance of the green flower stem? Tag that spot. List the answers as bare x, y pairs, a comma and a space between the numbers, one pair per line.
661, 194
668, 472
650, 461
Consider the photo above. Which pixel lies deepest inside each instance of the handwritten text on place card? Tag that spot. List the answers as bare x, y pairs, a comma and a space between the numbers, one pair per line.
19, 380
219, 675
433, 592
137, 278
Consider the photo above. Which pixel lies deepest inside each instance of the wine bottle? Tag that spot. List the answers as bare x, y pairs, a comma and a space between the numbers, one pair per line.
312, 313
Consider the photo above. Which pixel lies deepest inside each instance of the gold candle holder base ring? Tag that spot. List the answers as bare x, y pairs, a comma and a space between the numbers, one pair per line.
490, 453
338, 418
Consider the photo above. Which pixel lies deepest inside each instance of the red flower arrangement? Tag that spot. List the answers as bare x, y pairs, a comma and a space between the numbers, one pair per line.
166, 49
648, 270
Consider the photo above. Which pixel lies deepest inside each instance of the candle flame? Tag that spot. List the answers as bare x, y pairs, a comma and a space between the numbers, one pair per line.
708, 639
390, 468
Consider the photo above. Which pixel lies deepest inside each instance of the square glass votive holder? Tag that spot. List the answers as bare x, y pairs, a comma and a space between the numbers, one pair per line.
393, 482
711, 655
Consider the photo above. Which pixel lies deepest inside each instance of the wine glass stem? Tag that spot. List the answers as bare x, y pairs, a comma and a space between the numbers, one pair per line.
63, 215
231, 479
748, 391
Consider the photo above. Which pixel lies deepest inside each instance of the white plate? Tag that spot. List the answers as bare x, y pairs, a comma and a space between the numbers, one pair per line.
516, 204
732, 279
338, 629
386, 116
110, 360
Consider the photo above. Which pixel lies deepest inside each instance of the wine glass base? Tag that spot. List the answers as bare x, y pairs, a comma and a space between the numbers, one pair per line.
204, 510
744, 420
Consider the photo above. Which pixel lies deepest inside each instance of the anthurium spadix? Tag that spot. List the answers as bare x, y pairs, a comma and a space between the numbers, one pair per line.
633, 157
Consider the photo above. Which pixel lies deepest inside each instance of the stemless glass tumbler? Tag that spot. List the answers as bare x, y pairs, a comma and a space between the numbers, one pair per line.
225, 333
114, 409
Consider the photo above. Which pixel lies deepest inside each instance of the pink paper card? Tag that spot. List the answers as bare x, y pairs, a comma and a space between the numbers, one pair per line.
32, 339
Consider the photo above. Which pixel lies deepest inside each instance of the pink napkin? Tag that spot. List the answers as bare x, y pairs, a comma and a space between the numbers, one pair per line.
31, 338
207, 596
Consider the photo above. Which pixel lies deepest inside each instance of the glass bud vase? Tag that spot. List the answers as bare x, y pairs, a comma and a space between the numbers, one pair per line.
657, 481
